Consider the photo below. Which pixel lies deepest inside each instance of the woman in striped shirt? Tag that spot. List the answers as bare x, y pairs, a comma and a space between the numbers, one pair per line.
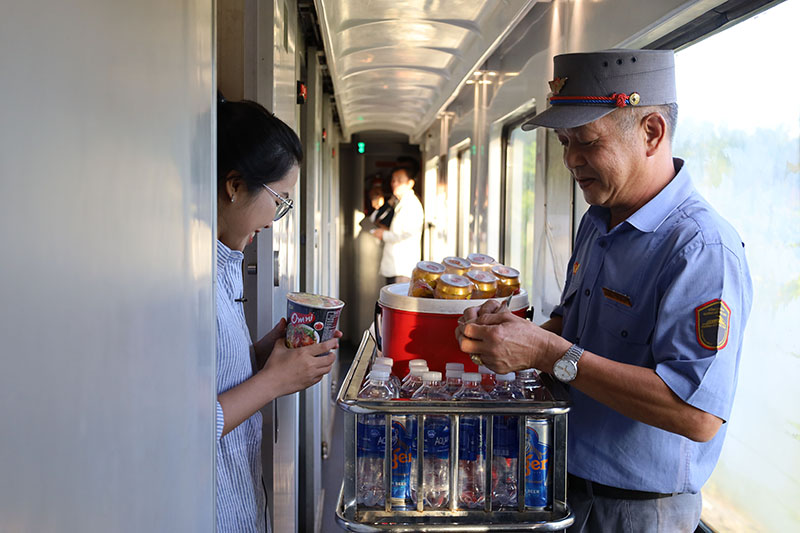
258, 160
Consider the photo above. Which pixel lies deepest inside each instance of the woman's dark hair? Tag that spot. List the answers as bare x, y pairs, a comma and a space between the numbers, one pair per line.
259, 146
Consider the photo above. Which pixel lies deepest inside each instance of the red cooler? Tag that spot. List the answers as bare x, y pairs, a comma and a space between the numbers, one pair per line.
424, 328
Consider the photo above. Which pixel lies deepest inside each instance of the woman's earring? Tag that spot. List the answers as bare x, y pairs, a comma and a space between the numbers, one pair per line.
232, 197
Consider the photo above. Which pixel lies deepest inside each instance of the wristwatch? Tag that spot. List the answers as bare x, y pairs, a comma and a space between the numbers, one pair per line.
566, 368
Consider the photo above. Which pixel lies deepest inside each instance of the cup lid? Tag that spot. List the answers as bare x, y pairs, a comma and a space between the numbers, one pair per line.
317, 301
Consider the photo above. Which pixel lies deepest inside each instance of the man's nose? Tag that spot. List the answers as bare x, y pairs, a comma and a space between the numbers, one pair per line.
572, 157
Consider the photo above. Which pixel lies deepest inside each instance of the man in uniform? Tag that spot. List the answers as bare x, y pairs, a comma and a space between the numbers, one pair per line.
649, 330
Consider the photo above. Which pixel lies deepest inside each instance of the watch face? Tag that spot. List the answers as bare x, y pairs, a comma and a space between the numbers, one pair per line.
564, 370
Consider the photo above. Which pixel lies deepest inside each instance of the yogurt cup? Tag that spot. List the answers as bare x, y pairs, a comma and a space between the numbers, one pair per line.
311, 318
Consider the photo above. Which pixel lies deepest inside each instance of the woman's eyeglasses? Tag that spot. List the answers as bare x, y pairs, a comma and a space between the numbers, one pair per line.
285, 205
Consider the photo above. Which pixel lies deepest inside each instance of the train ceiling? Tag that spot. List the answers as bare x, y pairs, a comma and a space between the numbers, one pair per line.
395, 64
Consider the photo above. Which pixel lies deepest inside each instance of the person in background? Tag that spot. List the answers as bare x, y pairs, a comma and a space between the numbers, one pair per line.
649, 330
379, 211
257, 162
402, 246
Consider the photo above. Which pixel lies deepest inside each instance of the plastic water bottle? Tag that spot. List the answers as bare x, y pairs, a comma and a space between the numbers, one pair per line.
414, 363
488, 380
371, 435
471, 445
388, 361
506, 444
387, 369
435, 468
453, 372
531, 386
413, 383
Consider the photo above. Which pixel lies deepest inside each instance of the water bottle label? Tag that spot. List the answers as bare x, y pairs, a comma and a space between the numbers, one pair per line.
371, 439
506, 438
471, 444
404, 430
537, 459
437, 437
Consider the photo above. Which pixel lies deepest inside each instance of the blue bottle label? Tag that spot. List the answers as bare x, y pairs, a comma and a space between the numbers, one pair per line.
506, 438
437, 437
371, 439
471, 443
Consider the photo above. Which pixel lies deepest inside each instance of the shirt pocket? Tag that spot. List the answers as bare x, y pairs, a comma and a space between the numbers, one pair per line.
624, 327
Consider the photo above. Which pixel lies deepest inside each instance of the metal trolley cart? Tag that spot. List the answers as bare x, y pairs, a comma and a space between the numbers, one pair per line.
353, 517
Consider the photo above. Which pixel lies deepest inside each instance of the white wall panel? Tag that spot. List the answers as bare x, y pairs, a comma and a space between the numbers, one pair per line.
107, 325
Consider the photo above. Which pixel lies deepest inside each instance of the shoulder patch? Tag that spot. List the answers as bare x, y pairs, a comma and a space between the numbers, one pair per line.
712, 321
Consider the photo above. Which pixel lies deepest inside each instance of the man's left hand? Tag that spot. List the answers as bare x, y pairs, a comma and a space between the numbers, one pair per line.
507, 343
378, 233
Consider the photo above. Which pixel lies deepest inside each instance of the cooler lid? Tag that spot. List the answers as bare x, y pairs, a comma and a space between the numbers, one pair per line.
396, 297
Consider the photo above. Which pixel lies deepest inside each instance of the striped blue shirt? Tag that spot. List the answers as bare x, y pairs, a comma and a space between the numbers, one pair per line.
241, 503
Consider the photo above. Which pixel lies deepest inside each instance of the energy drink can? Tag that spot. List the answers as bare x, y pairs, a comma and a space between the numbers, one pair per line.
538, 449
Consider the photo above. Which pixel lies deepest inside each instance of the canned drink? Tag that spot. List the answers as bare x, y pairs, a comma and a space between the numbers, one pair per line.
456, 265
481, 261
538, 449
485, 284
507, 280
452, 287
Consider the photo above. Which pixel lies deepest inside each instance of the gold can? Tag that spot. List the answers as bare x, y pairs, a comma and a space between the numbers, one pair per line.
485, 284
456, 265
420, 289
481, 262
427, 271
453, 287
507, 280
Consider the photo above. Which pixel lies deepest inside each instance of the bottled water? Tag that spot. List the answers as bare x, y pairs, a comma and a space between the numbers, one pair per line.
413, 383
388, 361
371, 437
487, 378
531, 386
414, 363
453, 375
506, 444
471, 445
388, 370
435, 467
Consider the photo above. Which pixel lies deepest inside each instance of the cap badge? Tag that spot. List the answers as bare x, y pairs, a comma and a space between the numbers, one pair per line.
557, 84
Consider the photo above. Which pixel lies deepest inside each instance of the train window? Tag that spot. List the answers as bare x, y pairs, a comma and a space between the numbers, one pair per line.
465, 217
520, 181
739, 131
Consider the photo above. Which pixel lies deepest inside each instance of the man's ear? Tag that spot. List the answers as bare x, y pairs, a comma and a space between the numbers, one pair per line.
655, 131
410, 183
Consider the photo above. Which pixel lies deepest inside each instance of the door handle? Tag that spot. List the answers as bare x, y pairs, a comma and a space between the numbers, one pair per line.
276, 268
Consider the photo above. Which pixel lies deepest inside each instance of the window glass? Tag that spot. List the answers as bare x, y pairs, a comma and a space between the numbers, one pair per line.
520, 181
465, 217
739, 131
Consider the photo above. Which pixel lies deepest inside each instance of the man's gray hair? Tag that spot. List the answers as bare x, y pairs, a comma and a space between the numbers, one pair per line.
627, 117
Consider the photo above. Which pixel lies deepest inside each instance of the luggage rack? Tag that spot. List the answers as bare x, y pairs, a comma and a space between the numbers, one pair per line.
353, 517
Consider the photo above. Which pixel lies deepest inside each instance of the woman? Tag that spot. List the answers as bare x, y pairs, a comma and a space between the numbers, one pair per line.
257, 161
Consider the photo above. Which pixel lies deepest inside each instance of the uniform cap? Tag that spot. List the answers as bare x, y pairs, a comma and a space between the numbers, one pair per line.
588, 86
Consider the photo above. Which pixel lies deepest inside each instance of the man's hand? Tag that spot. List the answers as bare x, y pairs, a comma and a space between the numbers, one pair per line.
377, 233
263, 347
506, 342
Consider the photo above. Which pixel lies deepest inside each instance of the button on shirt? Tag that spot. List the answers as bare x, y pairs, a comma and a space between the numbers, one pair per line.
241, 504
636, 294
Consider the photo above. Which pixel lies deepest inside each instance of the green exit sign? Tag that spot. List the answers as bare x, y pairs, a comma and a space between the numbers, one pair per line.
361, 148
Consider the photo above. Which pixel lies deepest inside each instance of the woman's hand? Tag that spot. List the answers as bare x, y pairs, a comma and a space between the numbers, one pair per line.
295, 369
263, 347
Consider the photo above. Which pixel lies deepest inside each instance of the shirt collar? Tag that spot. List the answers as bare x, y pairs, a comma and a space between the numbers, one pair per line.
652, 214
226, 256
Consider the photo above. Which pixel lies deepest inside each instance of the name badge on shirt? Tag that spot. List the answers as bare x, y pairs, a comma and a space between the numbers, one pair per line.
712, 321
617, 297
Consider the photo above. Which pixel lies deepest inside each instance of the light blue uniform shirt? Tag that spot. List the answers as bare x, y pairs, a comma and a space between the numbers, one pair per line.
647, 293
241, 504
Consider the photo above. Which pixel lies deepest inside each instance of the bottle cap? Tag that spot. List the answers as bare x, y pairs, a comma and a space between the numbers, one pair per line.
454, 366
379, 375
388, 361
417, 362
382, 368
506, 377
471, 376
419, 371
432, 376
453, 373
483, 370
